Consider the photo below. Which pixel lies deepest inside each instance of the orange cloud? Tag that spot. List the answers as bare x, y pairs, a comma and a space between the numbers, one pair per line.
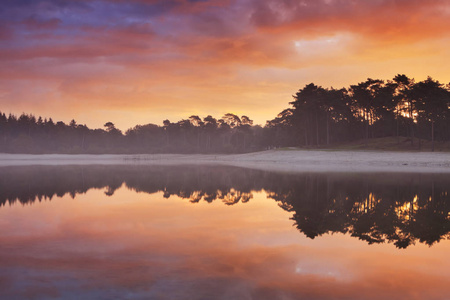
163, 59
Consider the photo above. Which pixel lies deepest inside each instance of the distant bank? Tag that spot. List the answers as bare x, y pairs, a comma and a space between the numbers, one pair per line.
271, 160
394, 144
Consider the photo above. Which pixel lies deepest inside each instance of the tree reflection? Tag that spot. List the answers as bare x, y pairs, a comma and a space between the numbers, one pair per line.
401, 209
396, 208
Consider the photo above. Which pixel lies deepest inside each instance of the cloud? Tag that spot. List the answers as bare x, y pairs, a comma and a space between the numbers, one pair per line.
147, 245
244, 32
383, 19
98, 51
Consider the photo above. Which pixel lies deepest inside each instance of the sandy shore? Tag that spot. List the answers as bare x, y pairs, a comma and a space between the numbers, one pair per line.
276, 160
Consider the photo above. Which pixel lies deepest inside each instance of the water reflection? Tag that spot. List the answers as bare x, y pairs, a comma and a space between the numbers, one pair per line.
397, 208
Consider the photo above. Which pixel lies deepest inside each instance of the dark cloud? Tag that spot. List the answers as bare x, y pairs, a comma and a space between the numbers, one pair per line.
346, 14
280, 12
6, 32
198, 45
33, 23
245, 31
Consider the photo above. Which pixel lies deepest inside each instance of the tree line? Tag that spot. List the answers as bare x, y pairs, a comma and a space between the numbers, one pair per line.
317, 117
230, 134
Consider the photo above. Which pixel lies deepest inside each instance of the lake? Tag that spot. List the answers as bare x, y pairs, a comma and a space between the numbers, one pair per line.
210, 232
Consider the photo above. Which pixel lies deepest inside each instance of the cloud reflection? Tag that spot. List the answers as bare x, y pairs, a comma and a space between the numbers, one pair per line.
140, 246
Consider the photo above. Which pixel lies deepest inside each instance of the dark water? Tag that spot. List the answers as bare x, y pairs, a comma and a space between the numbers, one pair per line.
135, 232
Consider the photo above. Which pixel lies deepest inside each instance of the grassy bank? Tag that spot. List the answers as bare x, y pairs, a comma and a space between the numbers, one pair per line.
391, 144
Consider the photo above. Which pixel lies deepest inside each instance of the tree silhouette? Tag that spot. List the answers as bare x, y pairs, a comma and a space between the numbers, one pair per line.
433, 102
318, 116
406, 101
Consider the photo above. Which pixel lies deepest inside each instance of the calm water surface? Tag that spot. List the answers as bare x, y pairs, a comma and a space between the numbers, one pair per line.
134, 232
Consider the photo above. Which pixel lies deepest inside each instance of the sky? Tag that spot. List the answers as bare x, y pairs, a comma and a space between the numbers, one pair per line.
144, 61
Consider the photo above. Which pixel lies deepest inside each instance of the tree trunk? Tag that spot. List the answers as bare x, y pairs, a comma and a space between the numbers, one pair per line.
398, 136
306, 137
306, 131
432, 135
317, 130
411, 123
198, 141
328, 130
366, 121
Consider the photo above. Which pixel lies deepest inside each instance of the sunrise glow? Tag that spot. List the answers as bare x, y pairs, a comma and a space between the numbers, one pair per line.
143, 61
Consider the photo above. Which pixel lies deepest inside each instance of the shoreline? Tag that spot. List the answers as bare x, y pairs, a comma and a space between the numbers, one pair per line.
270, 160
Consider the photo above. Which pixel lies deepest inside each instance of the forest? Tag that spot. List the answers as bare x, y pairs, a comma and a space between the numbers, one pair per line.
318, 117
